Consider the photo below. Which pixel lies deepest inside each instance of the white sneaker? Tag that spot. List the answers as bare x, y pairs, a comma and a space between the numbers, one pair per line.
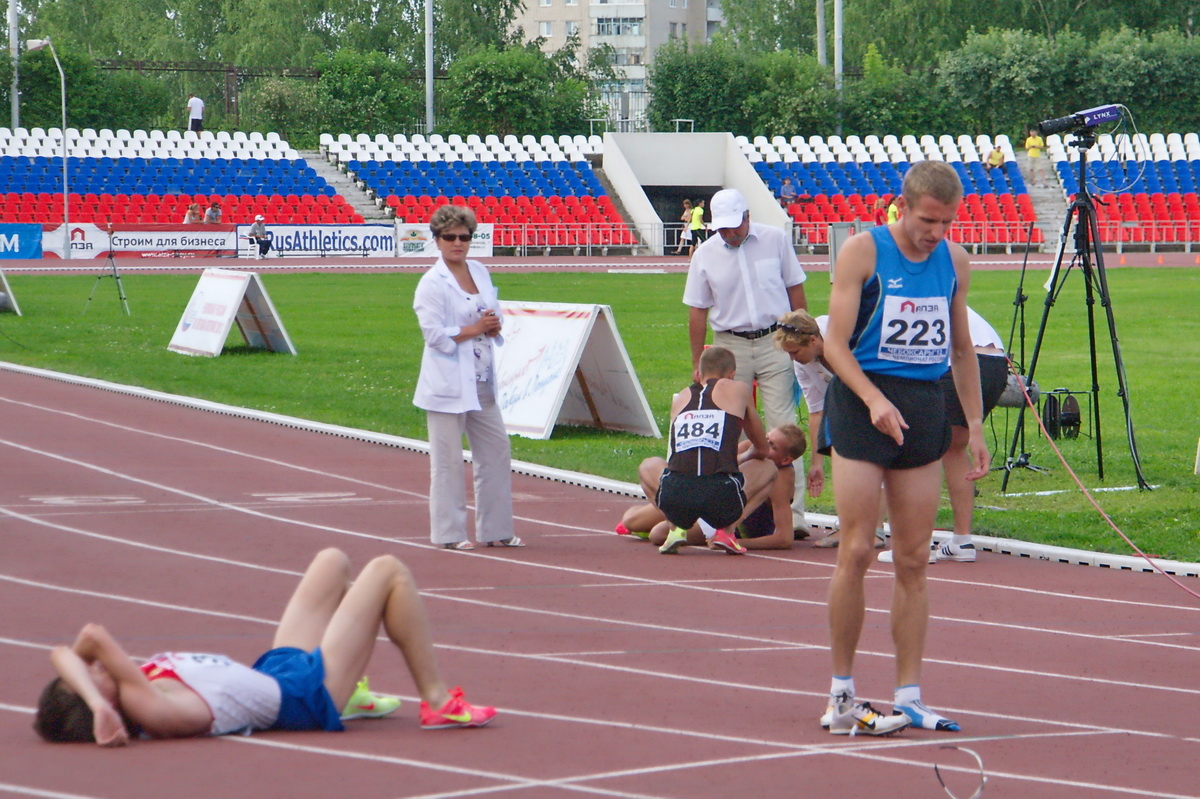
949, 551
886, 556
921, 716
859, 718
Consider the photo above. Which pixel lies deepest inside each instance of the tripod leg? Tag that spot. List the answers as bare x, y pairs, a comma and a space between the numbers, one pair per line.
1056, 275
1118, 361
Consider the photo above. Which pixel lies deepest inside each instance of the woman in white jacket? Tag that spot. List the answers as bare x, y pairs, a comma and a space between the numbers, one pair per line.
459, 313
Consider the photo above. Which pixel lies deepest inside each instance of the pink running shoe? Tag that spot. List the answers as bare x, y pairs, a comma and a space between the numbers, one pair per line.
723, 540
455, 713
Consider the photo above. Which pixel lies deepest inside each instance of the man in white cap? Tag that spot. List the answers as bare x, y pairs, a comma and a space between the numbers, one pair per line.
741, 281
258, 234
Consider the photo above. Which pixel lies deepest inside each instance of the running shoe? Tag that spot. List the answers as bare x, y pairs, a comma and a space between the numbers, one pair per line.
886, 556
723, 540
859, 718
455, 713
963, 554
365, 705
675, 539
926, 719
623, 530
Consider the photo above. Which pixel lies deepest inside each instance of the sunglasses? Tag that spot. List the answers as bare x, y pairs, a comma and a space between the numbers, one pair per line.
463, 237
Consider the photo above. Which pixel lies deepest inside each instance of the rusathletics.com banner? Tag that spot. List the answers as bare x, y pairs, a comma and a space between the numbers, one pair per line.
370, 241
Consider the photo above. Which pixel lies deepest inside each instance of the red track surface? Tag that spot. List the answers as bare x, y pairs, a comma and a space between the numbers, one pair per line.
617, 672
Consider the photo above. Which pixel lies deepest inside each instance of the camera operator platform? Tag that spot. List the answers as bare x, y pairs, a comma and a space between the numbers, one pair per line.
1089, 257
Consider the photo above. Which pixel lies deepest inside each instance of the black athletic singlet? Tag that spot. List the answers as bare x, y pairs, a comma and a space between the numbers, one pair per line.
704, 438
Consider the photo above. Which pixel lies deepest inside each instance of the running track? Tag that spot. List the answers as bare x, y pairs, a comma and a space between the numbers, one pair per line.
617, 672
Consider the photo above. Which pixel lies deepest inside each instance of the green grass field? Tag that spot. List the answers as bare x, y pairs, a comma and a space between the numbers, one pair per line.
359, 354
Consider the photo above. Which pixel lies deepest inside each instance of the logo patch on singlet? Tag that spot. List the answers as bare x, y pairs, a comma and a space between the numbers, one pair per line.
915, 330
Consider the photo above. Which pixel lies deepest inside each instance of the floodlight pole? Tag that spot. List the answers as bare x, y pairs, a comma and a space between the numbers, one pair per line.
13, 51
32, 45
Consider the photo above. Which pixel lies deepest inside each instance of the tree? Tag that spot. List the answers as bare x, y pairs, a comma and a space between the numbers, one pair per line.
705, 82
797, 96
518, 90
765, 26
369, 92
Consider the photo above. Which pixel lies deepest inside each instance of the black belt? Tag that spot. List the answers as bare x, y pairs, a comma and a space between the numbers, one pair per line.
753, 334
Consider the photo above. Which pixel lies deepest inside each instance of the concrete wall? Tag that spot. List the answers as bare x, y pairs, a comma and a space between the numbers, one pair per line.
634, 160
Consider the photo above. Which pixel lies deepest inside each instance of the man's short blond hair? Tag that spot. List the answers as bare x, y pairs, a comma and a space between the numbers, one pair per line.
935, 179
717, 362
797, 442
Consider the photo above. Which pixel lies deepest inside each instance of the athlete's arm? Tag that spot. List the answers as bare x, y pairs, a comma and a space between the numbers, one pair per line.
854, 267
816, 467
782, 487
965, 367
697, 332
178, 714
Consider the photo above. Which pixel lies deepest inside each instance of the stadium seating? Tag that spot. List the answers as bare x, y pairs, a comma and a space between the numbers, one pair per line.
142, 177
839, 180
538, 192
1144, 187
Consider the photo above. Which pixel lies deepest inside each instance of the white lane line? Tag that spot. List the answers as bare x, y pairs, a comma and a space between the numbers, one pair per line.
539, 521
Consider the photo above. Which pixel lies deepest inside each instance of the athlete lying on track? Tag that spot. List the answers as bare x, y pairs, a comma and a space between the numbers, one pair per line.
321, 649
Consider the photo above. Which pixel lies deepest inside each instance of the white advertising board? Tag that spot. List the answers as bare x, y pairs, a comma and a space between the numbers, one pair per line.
221, 298
370, 241
8, 300
566, 364
416, 241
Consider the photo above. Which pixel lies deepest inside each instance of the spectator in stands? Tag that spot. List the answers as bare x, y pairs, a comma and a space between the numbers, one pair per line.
879, 212
893, 211
258, 234
740, 282
193, 215
459, 313
1034, 144
213, 215
685, 236
195, 111
697, 225
995, 159
787, 193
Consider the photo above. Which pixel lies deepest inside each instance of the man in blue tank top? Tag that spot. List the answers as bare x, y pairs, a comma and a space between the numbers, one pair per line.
897, 319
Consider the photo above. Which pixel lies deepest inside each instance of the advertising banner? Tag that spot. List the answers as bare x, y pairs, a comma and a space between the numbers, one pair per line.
20, 241
566, 364
139, 241
222, 297
371, 241
416, 241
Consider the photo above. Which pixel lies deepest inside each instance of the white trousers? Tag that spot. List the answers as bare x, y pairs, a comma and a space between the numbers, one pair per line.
492, 469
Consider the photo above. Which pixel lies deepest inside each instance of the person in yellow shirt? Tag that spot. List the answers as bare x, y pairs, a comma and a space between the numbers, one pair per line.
1034, 144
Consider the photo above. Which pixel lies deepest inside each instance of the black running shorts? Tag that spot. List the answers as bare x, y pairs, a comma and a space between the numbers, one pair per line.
717, 499
993, 377
921, 404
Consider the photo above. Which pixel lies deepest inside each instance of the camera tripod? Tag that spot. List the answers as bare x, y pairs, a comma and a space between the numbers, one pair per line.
109, 270
1090, 259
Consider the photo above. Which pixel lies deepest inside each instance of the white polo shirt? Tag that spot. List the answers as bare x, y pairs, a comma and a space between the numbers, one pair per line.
744, 288
813, 377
